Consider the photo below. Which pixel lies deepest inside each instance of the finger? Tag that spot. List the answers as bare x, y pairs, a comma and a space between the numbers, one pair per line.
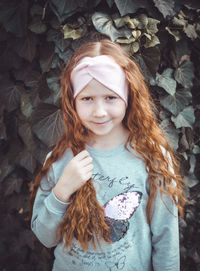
86, 161
88, 175
89, 168
81, 155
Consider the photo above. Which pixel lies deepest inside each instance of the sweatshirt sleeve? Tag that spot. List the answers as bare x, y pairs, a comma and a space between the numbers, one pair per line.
165, 233
48, 212
165, 236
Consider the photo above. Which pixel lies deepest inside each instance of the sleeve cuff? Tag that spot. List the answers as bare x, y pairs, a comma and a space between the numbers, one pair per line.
55, 205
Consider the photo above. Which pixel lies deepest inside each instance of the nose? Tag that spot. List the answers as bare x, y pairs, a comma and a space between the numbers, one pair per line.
99, 110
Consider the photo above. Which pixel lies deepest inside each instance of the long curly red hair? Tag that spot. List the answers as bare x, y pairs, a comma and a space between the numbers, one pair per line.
85, 218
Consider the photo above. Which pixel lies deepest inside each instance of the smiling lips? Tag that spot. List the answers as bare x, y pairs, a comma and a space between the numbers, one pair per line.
101, 123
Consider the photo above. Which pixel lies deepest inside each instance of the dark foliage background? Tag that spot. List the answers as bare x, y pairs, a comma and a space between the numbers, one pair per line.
37, 39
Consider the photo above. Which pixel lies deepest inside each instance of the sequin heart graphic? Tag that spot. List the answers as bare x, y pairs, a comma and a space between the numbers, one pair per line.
118, 210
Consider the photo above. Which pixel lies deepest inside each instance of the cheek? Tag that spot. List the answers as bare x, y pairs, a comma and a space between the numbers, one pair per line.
119, 111
82, 111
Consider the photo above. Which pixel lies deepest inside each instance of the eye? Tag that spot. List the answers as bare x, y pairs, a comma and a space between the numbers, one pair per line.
111, 98
86, 99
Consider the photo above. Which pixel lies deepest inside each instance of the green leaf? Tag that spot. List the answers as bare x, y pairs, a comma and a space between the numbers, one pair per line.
166, 81
71, 33
177, 102
129, 6
64, 9
104, 24
6, 168
184, 74
13, 184
165, 7
47, 123
132, 48
46, 56
171, 133
185, 118
125, 41
110, 2
57, 37
37, 26
190, 31
25, 132
191, 179
26, 48
143, 21
26, 106
151, 57
36, 10
152, 26
10, 95
196, 149
53, 82
13, 16
27, 160
175, 33
153, 42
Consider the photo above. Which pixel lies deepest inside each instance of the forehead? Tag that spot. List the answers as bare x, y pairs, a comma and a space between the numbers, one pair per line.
96, 88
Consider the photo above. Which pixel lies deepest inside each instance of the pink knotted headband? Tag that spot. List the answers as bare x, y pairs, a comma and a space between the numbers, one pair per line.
103, 69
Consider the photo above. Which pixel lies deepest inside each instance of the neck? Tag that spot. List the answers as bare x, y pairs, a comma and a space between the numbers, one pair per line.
106, 142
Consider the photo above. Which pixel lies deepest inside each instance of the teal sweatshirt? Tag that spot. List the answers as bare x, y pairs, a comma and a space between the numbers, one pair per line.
121, 183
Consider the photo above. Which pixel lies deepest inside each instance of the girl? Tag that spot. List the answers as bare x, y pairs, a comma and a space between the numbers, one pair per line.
108, 194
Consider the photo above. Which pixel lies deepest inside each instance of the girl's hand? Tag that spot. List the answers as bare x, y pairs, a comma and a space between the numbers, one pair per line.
76, 173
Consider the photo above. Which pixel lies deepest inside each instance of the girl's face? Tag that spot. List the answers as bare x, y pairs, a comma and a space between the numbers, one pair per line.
100, 110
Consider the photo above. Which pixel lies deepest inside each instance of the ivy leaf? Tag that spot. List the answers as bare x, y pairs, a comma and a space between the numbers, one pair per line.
104, 24
132, 48
64, 9
25, 132
185, 118
47, 123
110, 2
9, 59
27, 238
166, 81
152, 26
184, 74
27, 160
57, 37
191, 179
26, 106
71, 33
26, 48
151, 57
166, 8
196, 149
177, 102
28, 76
6, 168
53, 82
13, 16
3, 134
129, 6
64, 55
152, 42
37, 26
10, 95
190, 31
46, 56
175, 33
171, 133
13, 184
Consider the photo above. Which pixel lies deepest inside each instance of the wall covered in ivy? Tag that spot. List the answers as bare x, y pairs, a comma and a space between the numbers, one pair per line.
37, 38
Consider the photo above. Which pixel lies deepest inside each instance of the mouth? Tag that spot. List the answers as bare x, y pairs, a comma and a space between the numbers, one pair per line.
101, 123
